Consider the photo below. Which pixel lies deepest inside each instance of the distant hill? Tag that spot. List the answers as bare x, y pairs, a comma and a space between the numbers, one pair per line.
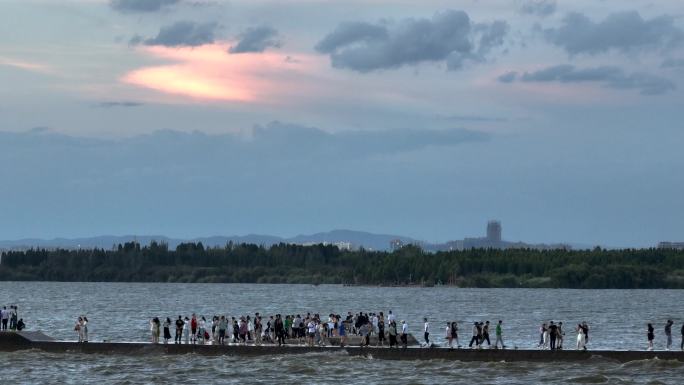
356, 238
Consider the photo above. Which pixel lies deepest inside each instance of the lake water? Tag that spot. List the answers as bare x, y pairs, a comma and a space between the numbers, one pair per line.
121, 312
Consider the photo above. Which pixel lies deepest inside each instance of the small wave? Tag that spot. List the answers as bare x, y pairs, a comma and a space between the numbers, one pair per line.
591, 379
653, 363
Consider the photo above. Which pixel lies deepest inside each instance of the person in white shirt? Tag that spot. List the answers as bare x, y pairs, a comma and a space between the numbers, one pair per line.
186, 333
426, 331
250, 328
331, 325
202, 329
13, 318
391, 318
311, 332
374, 321
4, 314
476, 336
404, 333
84, 329
450, 339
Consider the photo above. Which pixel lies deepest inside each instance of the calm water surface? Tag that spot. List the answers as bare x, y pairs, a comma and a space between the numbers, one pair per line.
121, 312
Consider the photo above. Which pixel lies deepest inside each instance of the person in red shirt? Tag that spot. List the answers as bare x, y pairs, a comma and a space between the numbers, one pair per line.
193, 328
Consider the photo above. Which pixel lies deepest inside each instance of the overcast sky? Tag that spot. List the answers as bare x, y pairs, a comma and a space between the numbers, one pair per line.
562, 119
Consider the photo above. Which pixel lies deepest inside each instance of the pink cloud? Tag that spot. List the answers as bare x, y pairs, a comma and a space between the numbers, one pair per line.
209, 73
25, 65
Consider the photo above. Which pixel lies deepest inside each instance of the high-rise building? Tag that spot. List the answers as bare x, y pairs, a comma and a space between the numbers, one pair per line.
494, 231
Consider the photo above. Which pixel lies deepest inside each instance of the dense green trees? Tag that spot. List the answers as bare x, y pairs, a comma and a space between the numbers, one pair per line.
288, 263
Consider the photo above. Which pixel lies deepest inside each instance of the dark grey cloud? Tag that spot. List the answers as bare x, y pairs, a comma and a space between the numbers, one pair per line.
609, 76
181, 34
256, 39
622, 31
508, 77
122, 103
135, 40
449, 37
673, 63
135, 6
351, 32
538, 7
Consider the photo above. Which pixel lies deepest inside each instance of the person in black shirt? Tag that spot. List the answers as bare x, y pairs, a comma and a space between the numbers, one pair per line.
279, 330
179, 330
668, 333
553, 333
381, 331
650, 336
585, 330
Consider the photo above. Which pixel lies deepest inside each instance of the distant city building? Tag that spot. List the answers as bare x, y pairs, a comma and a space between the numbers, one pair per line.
396, 244
671, 245
492, 240
339, 245
343, 245
494, 231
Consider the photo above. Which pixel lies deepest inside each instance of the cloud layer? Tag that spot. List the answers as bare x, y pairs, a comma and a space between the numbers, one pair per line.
182, 34
621, 31
538, 7
449, 37
134, 6
256, 39
114, 104
609, 76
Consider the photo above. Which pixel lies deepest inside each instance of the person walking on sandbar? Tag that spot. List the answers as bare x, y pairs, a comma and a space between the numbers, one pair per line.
426, 334
485, 335
4, 314
553, 334
167, 330
668, 333
585, 329
476, 336
404, 333
650, 336
580, 338
499, 336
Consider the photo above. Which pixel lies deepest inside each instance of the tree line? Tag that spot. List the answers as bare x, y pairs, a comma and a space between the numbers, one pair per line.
290, 263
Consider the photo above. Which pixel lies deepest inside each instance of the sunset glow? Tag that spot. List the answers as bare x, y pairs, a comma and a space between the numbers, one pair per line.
210, 73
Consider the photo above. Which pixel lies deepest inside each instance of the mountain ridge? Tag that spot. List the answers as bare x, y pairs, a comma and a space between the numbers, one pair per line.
356, 238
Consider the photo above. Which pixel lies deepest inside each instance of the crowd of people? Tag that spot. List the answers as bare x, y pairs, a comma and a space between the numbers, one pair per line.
552, 335
309, 329
650, 335
313, 330
9, 319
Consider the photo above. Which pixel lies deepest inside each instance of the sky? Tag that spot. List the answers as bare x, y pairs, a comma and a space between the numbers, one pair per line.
187, 118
